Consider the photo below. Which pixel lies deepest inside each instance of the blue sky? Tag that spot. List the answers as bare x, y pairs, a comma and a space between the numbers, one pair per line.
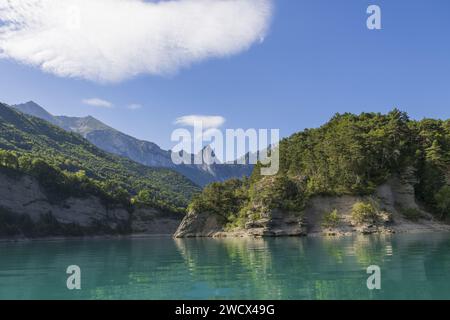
317, 58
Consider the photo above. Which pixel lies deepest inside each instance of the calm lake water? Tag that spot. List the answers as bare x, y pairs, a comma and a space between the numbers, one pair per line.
413, 267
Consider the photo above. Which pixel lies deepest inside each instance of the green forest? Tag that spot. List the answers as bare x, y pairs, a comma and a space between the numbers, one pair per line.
349, 155
68, 165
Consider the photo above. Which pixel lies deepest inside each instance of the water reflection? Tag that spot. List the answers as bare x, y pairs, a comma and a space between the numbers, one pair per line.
413, 266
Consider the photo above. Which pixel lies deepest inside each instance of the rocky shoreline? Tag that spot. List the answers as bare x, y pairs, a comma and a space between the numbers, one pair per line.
421, 226
392, 199
90, 218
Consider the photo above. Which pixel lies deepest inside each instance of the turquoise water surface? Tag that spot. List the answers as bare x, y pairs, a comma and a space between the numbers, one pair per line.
413, 266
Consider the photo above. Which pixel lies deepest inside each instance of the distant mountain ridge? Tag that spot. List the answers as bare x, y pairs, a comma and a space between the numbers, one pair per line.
144, 152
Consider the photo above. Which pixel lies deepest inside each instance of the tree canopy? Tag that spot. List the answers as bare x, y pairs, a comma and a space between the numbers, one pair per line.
66, 164
351, 154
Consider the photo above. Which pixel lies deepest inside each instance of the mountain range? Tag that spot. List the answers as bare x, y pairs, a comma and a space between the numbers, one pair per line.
367, 173
143, 152
67, 164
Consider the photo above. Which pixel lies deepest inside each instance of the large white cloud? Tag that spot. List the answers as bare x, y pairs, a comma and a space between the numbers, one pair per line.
112, 40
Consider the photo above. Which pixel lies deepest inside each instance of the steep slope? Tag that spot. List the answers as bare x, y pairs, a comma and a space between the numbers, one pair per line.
116, 142
33, 109
213, 167
27, 209
32, 138
357, 173
104, 137
144, 152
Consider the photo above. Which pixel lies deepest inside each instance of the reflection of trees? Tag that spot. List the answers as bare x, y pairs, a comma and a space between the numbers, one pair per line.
371, 250
413, 266
222, 263
419, 268
288, 268
436, 267
319, 268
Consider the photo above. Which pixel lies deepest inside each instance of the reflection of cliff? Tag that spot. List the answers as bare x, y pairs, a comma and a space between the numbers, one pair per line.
246, 265
418, 267
319, 268
111, 269
263, 269
412, 266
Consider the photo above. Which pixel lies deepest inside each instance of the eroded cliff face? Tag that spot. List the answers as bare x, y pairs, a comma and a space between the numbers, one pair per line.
202, 224
150, 221
391, 199
22, 196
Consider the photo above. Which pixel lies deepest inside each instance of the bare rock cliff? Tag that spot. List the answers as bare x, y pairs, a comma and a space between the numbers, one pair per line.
22, 196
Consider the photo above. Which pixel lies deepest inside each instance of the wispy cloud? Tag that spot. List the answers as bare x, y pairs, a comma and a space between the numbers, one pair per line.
112, 40
97, 102
207, 122
134, 106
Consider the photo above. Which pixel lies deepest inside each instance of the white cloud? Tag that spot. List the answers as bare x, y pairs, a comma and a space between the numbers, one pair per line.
96, 102
112, 40
207, 122
134, 106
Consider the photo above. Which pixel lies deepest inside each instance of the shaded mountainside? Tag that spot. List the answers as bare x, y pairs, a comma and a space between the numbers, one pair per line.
29, 210
144, 152
357, 173
66, 166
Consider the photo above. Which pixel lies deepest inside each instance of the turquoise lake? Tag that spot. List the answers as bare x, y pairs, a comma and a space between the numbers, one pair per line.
413, 266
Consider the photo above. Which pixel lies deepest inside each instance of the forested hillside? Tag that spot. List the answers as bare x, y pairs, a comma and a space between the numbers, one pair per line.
349, 155
144, 152
67, 164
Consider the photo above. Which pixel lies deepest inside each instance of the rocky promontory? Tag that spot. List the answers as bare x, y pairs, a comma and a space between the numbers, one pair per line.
395, 211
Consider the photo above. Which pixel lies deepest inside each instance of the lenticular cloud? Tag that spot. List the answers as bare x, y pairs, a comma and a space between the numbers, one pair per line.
112, 40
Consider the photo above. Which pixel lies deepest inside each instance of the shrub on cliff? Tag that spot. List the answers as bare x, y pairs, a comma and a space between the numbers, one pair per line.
331, 219
364, 212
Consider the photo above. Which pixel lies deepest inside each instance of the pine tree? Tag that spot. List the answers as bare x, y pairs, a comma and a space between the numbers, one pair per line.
435, 155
